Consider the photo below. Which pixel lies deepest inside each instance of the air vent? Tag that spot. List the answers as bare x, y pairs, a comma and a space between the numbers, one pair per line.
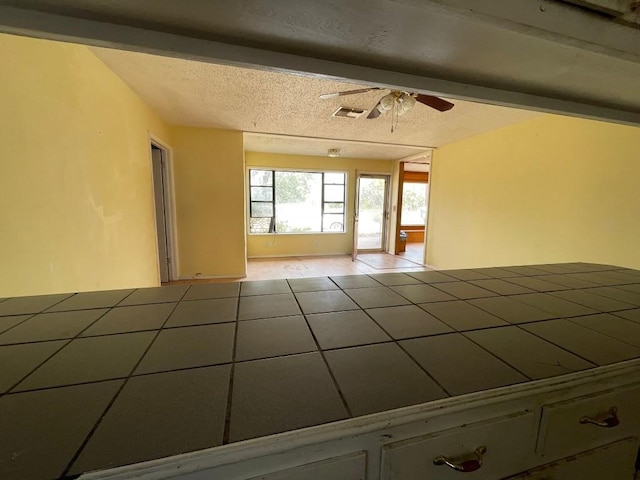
348, 112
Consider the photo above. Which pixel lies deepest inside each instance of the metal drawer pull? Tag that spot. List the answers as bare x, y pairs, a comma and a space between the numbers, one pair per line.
607, 420
467, 463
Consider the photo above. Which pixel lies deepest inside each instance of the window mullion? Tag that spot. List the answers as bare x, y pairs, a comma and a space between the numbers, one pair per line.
273, 199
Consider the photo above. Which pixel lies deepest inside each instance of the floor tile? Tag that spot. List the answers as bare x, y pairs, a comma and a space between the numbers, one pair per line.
48, 427
598, 302
524, 270
51, 326
465, 274
354, 281
343, 329
630, 271
264, 287
212, 290
155, 295
202, 312
89, 360
464, 291
554, 305
510, 310
282, 394
271, 337
376, 297
19, 360
496, 272
593, 346
597, 278
553, 268
631, 288
500, 286
267, 306
459, 365
172, 413
326, 301
633, 315
529, 354
536, 283
23, 305
461, 315
9, 322
389, 279
86, 300
568, 281
131, 319
376, 378
617, 294
314, 284
616, 327
422, 293
188, 347
431, 277
407, 321
622, 278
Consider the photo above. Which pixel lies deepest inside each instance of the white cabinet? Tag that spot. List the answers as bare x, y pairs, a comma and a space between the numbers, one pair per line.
488, 449
579, 424
349, 467
614, 461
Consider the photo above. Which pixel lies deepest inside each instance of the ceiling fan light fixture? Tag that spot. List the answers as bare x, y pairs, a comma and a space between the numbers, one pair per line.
386, 102
406, 103
333, 152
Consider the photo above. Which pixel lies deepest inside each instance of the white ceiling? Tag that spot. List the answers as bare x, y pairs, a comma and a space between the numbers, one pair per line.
186, 92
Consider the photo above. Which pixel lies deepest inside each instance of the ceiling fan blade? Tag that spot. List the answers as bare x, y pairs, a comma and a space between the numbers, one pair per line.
434, 102
375, 111
348, 92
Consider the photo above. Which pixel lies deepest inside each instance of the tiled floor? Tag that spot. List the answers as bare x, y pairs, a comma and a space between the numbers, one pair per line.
95, 380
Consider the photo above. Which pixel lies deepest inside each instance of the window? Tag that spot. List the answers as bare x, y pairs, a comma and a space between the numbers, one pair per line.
296, 202
414, 203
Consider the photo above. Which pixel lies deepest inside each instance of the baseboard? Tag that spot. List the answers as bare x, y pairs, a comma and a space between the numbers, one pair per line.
213, 277
258, 257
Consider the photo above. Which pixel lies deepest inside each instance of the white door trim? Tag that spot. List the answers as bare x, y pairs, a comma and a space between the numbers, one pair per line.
170, 206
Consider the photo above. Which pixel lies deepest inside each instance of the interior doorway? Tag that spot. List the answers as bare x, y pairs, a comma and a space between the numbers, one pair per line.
413, 208
162, 201
371, 213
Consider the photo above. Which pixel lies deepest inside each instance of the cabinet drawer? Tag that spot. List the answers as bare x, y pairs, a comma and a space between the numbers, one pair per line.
586, 422
349, 467
509, 441
615, 461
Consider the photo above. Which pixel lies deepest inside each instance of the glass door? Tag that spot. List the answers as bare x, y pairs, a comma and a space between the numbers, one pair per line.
371, 212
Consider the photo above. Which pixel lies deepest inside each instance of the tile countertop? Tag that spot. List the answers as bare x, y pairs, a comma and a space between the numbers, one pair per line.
100, 379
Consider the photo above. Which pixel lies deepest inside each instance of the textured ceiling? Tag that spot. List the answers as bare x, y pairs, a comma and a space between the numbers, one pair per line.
268, 143
191, 93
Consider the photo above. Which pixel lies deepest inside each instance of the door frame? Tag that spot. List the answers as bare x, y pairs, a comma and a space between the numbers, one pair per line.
387, 203
170, 207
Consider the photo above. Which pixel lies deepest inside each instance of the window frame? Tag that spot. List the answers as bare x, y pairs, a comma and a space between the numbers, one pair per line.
323, 203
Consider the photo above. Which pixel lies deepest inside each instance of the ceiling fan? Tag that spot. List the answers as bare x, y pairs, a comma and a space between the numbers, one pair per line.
397, 100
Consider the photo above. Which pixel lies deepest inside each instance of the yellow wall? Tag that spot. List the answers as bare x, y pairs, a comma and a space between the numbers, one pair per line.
552, 189
311, 244
209, 186
76, 200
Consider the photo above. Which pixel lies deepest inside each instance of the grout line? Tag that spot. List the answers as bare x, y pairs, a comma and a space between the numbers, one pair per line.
117, 394
326, 363
397, 343
54, 353
496, 356
226, 434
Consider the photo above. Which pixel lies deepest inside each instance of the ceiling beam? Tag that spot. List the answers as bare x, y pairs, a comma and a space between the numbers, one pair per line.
69, 29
